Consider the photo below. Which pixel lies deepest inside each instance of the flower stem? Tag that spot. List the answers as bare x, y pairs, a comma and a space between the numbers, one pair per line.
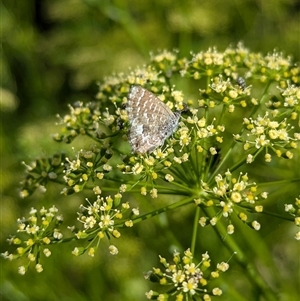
195, 229
158, 211
276, 183
242, 259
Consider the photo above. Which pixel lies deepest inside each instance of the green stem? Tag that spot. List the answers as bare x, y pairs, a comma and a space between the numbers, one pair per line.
221, 115
162, 189
288, 218
243, 161
242, 259
198, 159
181, 172
64, 240
280, 182
187, 170
222, 162
158, 211
251, 209
195, 229
264, 95
185, 188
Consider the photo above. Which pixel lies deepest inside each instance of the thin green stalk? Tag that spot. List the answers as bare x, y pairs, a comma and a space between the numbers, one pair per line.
195, 229
242, 259
264, 94
279, 182
222, 162
242, 161
158, 211
193, 159
221, 115
182, 186
182, 173
186, 170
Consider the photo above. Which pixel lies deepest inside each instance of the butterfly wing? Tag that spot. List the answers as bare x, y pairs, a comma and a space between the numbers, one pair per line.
151, 121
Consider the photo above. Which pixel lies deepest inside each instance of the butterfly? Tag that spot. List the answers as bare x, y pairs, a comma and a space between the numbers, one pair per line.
151, 121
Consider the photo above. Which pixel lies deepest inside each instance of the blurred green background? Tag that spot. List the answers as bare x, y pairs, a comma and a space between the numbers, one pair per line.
53, 53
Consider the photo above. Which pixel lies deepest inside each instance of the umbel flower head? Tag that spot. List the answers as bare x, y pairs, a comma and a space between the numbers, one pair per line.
34, 235
101, 219
226, 117
185, 279
233, 196
233, 140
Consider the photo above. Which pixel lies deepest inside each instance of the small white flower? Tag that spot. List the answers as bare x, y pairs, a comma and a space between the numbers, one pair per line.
256, 225
47, 252
223, 266
136, 211
39, 268
57, 234
230, 229
249, 159
217, 291
22, 270
113, 250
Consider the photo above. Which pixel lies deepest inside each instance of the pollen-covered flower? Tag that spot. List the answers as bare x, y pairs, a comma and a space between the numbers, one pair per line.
153, 193
232, 195
113, 250
86, 167
37, 231
291, 96
164, 61
266, 133
187, 277
102, 217
100, 214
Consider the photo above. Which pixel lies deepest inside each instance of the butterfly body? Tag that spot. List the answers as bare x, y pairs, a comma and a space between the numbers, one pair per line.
151, 121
